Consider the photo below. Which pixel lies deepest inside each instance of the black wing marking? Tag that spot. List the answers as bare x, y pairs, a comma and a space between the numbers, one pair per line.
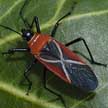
81, 75
50, 52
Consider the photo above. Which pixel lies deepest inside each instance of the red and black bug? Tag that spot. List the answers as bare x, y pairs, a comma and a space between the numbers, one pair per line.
55, 56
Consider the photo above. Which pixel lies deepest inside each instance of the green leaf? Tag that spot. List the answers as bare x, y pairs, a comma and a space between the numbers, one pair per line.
89, 20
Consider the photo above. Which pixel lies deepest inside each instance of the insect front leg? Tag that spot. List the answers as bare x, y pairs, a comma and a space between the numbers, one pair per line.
26, 76
13, 50
51, 91
90, 54
53, 32
36, 21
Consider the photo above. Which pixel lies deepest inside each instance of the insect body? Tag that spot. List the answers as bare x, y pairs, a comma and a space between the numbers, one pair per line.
62, 62
55, 56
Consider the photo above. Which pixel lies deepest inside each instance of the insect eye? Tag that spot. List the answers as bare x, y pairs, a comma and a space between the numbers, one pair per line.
28, 34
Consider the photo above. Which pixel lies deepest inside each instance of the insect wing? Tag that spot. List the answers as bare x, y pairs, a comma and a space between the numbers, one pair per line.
82, 77
73, 68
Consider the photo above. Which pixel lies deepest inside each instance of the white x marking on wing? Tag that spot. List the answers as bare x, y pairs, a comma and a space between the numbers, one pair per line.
62, 61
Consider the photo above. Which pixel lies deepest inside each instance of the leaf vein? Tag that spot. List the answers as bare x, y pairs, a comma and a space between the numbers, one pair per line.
49, 24
10, 9
16, 92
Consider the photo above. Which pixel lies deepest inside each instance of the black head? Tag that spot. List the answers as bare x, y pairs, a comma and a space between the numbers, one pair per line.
27, 34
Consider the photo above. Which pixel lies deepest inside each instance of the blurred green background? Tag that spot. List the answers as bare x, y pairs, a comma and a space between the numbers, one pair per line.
89, 20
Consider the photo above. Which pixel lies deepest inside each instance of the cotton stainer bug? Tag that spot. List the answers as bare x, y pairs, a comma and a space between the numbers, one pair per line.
55, 56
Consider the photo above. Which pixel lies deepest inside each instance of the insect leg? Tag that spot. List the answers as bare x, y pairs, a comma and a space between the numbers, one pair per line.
26, 75
91, 56
53, 32
36, 21
51, 91
13, 50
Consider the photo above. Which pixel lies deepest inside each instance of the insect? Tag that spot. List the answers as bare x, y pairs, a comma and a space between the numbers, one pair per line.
55, 56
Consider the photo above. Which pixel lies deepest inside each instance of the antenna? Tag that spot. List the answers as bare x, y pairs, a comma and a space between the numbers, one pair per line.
9, 29
21, 14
